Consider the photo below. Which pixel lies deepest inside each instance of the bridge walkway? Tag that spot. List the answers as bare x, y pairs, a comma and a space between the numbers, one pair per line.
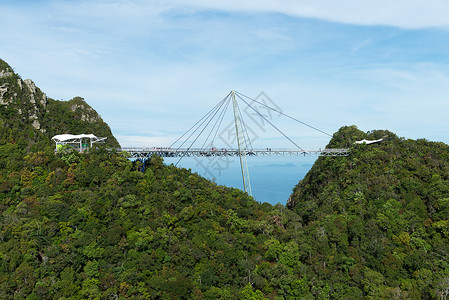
145, 153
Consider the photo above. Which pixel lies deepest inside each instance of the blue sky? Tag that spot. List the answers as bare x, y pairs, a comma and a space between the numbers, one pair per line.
153, 68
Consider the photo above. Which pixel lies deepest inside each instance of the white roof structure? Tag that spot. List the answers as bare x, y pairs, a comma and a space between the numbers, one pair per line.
81, 142
72, 138
369, 142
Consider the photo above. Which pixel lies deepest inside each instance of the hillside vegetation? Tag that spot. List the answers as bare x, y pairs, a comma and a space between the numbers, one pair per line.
373, 225
90, 226
378, 219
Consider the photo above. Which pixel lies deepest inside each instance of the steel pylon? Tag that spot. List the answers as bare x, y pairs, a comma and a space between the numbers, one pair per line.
241, 145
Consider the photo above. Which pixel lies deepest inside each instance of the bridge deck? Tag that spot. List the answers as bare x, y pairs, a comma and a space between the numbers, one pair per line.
144, 153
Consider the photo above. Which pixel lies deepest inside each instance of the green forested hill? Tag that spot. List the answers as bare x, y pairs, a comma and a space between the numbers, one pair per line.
93, 227
373, 225
97, 228
380, 217
29, 117
90, 226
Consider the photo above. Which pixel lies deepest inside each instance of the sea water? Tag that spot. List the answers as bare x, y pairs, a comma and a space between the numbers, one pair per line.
272, 178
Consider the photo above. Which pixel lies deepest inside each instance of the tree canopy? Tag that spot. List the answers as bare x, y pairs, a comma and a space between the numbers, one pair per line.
372, 225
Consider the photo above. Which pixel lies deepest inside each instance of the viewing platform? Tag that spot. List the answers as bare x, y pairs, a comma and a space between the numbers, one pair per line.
146, 153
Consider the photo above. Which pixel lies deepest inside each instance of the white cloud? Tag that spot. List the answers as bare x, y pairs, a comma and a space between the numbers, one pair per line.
401, 13
423, 78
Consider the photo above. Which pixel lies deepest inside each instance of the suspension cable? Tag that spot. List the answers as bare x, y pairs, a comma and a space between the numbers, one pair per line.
271, 124
220, 109
221, 121
245, 130
222, 102
205, 116
280, 112
218, 121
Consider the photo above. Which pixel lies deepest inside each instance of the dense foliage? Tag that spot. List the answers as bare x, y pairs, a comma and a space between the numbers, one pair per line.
76, 226
378, 220
91, 226
373, 225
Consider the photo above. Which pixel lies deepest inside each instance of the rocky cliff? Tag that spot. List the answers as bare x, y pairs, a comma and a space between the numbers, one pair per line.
27, 113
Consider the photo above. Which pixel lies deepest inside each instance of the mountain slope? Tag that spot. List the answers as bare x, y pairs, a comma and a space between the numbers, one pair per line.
90, 226
94, 227
380, 214
373, 225
28, 116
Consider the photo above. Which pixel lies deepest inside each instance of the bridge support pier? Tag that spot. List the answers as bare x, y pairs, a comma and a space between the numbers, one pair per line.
140, 164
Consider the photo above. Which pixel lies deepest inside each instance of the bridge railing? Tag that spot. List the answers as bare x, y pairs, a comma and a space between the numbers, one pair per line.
145, 152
